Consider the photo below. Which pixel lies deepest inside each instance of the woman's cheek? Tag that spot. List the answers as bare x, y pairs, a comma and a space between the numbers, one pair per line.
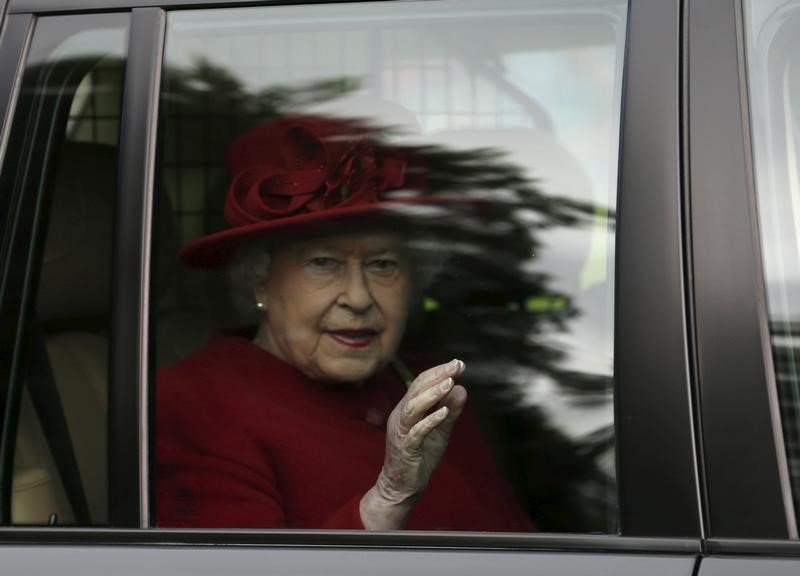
305, 339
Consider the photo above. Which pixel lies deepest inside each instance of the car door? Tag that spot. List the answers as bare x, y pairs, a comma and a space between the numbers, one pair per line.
118, 115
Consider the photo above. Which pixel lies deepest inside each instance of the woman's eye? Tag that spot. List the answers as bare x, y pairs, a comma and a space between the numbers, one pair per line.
322, 263
383, 265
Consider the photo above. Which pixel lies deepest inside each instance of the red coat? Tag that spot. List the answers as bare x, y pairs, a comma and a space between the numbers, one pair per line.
245, 441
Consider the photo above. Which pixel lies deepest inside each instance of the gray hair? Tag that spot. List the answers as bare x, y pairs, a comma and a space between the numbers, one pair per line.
249, 269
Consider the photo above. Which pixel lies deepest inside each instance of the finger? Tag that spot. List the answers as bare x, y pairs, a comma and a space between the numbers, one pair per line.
454, 402
420, 430
415, 408
435, 375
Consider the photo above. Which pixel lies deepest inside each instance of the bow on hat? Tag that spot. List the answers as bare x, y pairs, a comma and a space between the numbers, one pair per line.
306, 164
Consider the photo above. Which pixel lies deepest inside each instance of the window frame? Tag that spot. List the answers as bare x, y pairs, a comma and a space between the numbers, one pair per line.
18, 273
128, 389
652, 374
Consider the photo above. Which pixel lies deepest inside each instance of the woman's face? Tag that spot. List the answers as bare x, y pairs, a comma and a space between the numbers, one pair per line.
336, 306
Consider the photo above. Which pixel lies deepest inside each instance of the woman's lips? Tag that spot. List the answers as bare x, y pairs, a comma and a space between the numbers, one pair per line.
353, 338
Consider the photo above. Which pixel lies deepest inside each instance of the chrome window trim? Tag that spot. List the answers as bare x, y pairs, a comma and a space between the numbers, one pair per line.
687, 295
311, 539
144, 325
59, 6
752, 547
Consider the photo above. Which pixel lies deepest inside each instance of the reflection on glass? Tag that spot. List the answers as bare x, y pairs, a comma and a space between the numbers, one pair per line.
512, 107
773, 58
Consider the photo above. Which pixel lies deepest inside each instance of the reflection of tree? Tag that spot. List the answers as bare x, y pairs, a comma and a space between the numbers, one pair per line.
486, 308
488, 316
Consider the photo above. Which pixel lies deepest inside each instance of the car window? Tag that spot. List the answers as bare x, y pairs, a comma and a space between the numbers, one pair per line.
60, 168
772, 41
351, 194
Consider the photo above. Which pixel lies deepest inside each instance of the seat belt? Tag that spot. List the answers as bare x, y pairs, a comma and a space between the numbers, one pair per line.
46, 400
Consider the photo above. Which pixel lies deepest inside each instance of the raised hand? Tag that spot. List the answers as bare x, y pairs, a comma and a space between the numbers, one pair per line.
417, 435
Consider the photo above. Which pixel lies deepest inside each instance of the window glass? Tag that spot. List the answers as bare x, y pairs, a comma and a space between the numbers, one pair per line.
60, 166
773, 66
359, 192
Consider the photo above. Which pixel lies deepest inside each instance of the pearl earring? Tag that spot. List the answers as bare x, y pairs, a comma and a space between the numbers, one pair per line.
260, 305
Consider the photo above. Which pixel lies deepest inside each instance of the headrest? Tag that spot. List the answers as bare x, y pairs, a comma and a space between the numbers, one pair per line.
76, 269
75, 280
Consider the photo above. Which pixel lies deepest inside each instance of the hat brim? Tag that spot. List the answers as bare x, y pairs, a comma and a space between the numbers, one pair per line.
216, 249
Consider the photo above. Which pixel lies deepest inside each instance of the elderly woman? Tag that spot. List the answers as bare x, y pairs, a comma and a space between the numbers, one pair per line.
314, 421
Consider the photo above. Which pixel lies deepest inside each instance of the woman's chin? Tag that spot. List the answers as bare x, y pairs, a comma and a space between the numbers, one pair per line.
349, 371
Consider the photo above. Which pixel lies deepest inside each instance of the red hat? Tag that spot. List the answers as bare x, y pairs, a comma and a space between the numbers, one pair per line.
301, 170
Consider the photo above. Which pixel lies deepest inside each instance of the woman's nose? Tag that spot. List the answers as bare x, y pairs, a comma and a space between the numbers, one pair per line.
355, 293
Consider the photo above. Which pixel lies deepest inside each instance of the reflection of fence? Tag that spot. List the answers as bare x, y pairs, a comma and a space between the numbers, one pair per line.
786, 357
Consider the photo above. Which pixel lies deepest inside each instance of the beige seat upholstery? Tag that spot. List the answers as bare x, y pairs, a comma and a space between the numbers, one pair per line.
36, 493
33, 497
80, 365
73, 311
